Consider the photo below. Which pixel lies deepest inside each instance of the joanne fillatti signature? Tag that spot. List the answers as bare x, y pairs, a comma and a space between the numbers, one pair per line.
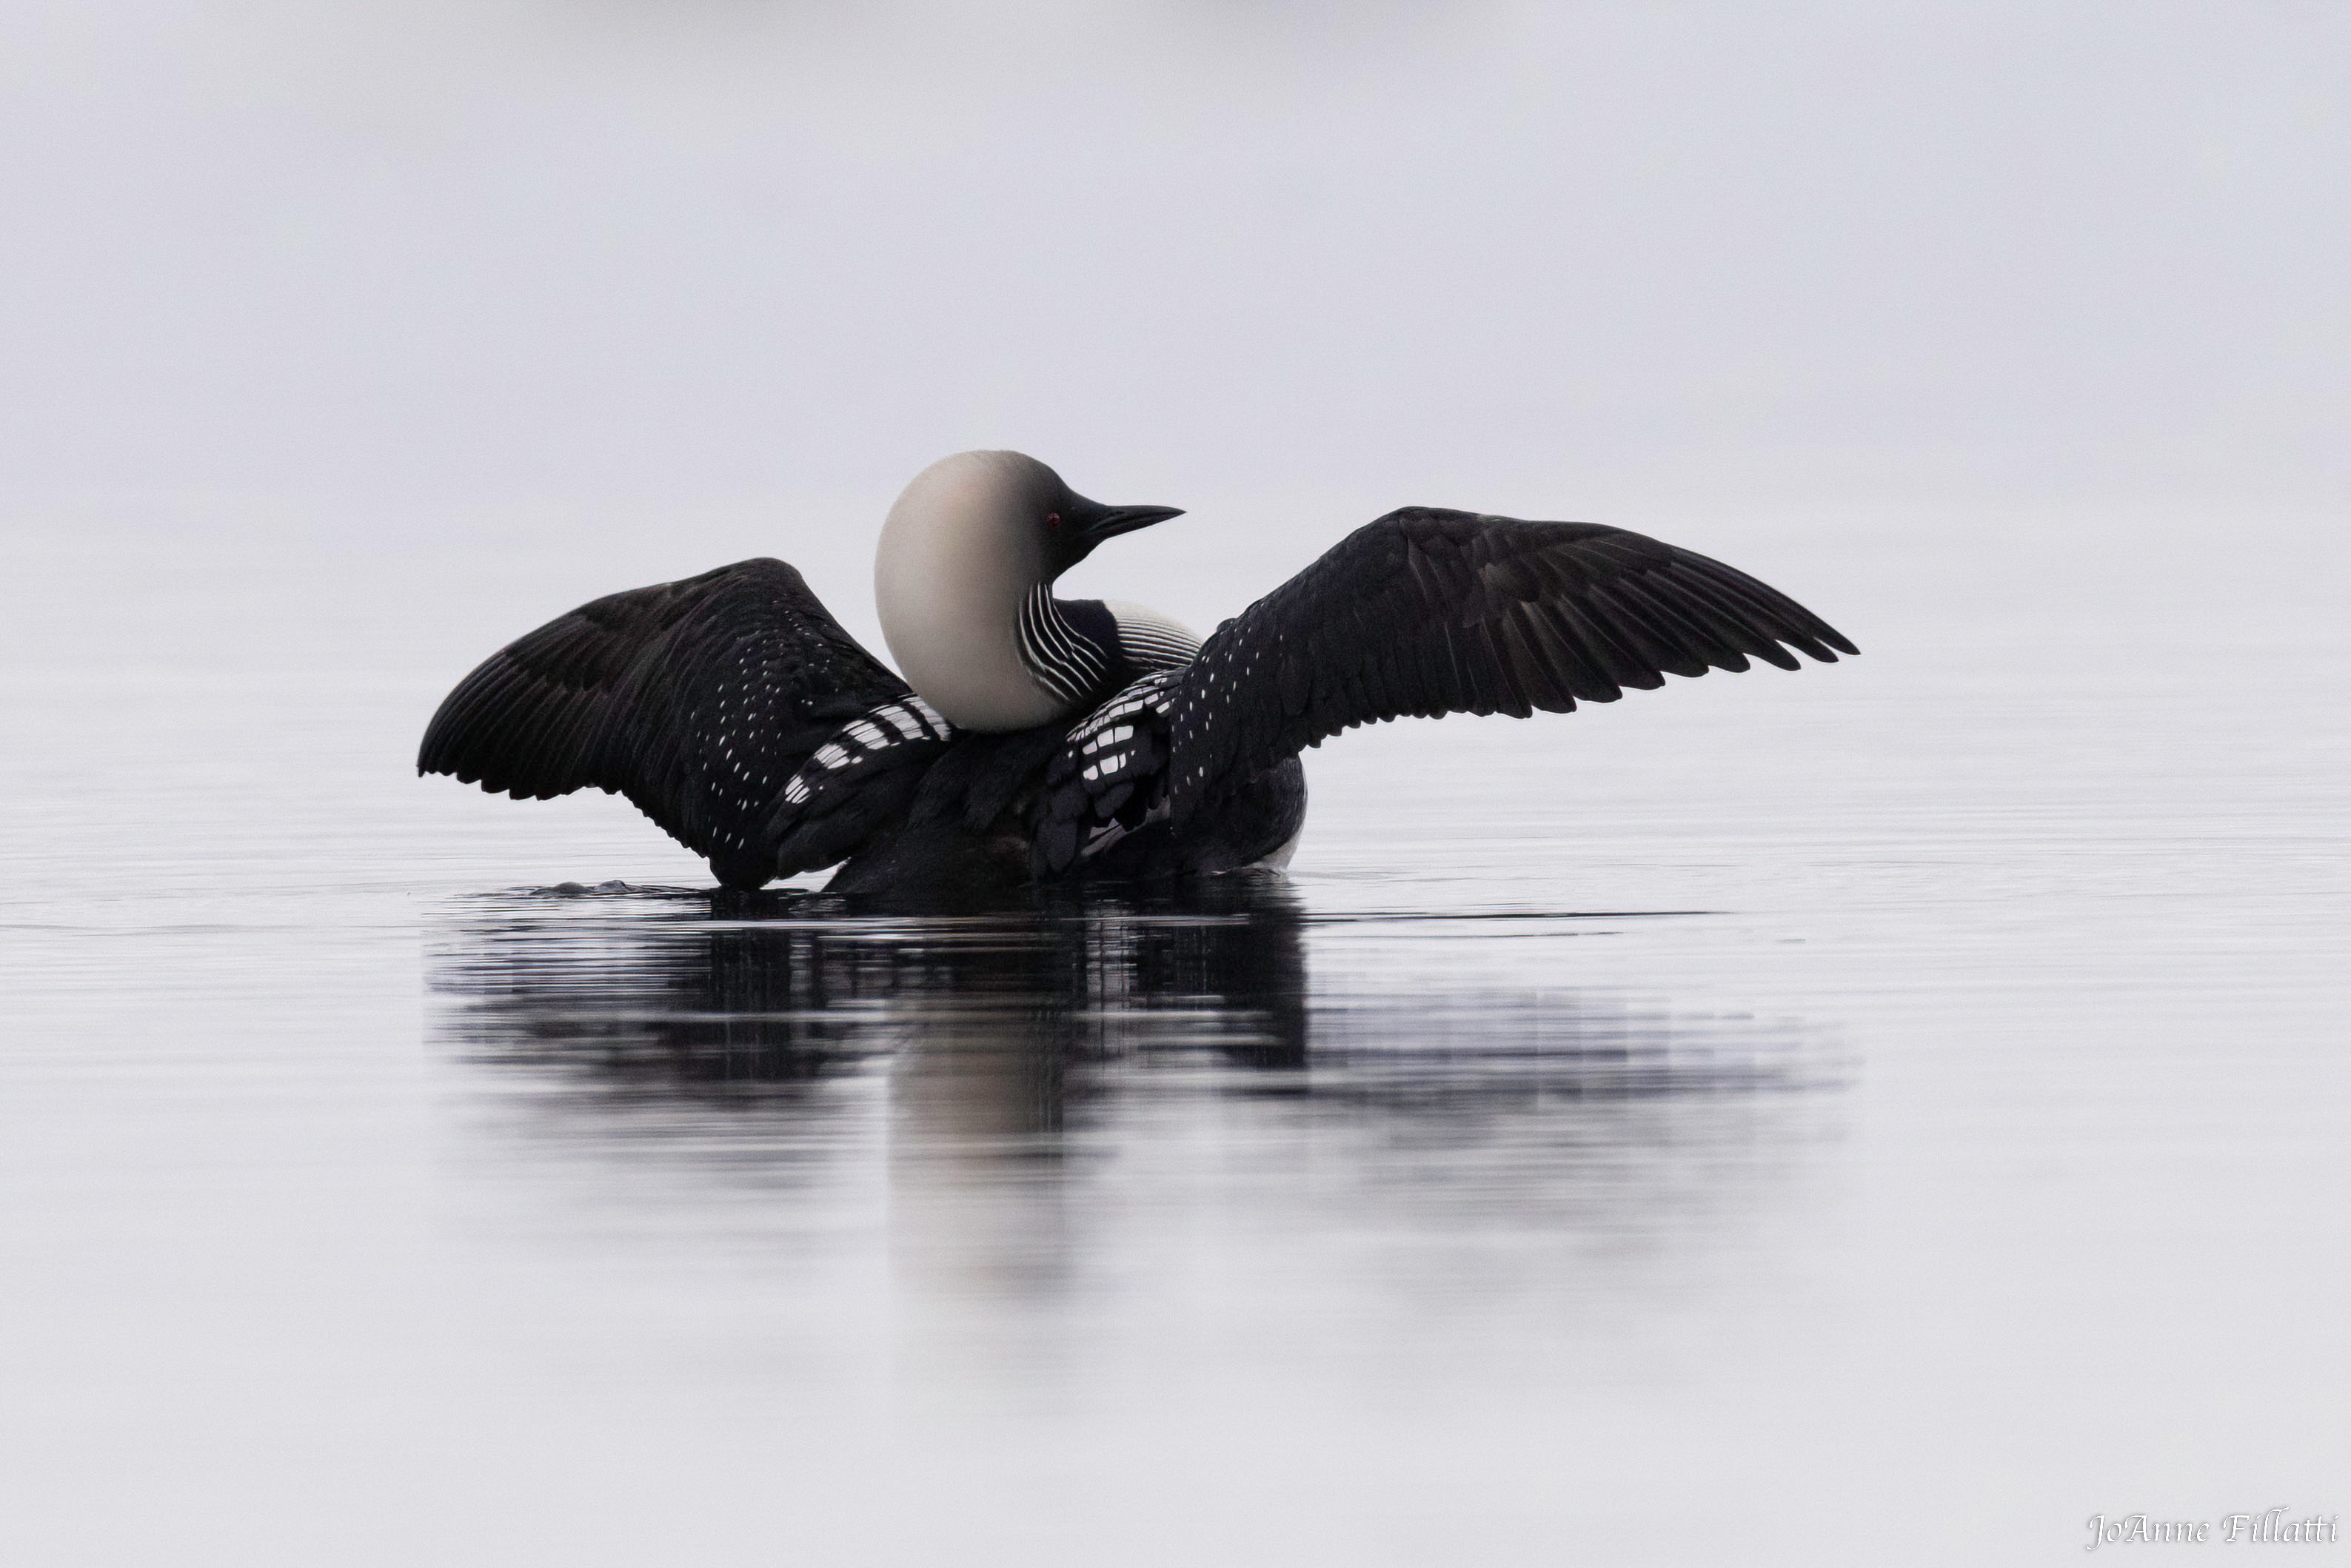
2269, 1528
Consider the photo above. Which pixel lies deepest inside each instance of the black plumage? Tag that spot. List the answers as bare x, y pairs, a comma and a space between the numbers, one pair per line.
700, 700
737, 714
1427, 612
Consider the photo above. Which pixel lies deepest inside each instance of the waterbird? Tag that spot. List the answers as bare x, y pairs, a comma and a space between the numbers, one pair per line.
1034, 739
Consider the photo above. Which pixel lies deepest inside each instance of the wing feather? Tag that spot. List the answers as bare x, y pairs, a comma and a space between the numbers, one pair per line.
1428, 612
699, 700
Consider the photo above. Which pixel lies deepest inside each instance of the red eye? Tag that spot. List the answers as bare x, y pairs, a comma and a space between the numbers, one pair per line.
1053, 521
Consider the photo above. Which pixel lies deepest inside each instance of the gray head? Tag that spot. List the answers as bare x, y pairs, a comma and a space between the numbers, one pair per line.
968, 540
1021, 506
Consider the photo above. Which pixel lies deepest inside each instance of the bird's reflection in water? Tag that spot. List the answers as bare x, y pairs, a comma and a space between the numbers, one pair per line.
1032, 1090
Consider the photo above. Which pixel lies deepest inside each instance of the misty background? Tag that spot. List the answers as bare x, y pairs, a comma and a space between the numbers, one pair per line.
645, 266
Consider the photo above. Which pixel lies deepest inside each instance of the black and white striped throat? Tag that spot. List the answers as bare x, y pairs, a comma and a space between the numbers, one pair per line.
1058, 651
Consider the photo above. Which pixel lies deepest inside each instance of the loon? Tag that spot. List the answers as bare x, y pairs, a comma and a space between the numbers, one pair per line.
1035, 739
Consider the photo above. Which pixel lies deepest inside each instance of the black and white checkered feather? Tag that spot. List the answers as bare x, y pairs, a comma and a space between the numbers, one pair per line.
1110, 777
706, 702
1425, 613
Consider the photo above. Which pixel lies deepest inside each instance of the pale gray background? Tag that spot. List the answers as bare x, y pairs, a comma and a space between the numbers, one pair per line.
609, 258
338, 345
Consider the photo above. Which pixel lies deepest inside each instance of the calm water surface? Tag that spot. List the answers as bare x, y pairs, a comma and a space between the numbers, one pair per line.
1883, 1114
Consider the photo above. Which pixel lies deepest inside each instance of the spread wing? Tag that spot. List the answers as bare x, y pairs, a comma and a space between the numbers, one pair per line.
1423, 612
731, 708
